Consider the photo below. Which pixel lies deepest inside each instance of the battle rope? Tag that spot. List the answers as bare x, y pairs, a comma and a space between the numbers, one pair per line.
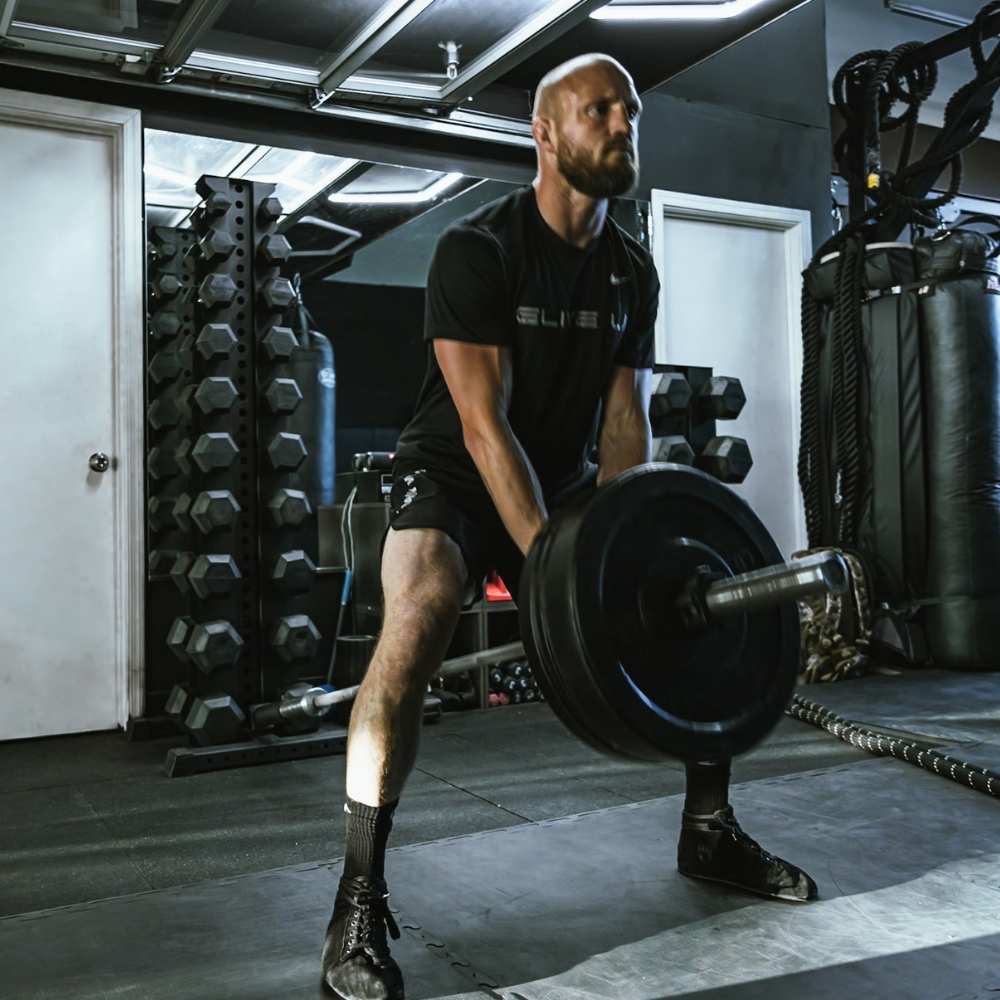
810, 447
898, 197
921, 755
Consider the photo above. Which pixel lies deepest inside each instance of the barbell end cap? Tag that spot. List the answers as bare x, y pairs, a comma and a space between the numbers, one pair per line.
836, 575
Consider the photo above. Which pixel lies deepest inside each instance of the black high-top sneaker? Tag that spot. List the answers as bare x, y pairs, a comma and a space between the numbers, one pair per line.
356, 960
714, 847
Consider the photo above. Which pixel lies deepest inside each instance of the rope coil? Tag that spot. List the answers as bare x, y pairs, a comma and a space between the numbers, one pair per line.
981, 779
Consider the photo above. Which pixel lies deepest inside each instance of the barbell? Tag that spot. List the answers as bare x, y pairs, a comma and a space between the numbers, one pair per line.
659, 619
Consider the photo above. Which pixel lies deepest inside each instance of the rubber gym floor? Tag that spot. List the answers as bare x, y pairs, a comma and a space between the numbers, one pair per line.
523, 866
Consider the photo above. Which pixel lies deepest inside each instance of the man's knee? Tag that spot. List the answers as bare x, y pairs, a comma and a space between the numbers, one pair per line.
423, 566
423, 580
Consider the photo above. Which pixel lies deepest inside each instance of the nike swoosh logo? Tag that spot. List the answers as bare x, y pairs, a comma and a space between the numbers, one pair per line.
619, 279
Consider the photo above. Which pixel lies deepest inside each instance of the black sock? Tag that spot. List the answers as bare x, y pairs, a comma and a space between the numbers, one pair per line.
368, 829
707, 787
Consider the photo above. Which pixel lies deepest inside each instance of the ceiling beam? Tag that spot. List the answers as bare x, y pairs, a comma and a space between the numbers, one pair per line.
197, 21
269, 118
387, 22
948, 45
6, 15
518, 45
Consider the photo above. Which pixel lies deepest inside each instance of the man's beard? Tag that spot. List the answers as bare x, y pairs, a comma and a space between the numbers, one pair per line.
597, 178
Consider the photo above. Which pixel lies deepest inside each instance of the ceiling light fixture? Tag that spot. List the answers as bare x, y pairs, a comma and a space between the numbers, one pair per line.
674, 11
428, 193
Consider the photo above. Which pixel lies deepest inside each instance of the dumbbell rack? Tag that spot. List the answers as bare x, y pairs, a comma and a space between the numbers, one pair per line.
232, 537
686, 403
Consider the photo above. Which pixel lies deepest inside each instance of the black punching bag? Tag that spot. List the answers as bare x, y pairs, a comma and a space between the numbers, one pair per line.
960, 334
312, 366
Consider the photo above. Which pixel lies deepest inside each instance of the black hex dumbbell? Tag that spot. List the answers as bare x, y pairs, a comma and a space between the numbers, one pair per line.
721, 397
217, 290
296, 638
214, 509
673, 448
671, 397
216, 340
165, 365
287, 451
270, 210
279, 342
165, 323
283, 395
275, 249
726, 458
278, 293
213, 574
216, 450
216, 395
213, 646
213, 720
294, 572
289, 507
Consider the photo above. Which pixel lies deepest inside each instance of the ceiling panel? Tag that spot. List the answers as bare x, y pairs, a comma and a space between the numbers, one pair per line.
143, 20
296, 32
298, 175
417, 48
174, 162
382, 180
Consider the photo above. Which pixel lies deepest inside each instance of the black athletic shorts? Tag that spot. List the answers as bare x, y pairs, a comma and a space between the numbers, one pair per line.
471, 520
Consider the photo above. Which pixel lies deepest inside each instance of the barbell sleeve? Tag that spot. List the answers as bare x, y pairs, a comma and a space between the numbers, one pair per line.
822, 573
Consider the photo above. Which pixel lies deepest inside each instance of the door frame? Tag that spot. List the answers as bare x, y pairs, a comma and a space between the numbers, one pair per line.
795, 226
123, 128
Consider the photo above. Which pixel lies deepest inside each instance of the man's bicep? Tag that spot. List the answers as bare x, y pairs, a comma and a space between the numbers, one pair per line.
478, 378
467, 290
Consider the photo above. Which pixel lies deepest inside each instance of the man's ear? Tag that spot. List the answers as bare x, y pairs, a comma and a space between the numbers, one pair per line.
542, 133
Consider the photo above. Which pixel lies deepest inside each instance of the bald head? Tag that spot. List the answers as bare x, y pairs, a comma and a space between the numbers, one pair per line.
585, 126
557, 83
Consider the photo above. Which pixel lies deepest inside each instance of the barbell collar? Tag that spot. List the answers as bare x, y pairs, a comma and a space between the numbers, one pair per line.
822, 573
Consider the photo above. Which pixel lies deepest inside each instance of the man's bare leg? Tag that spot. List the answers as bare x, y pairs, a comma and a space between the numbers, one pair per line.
423, 579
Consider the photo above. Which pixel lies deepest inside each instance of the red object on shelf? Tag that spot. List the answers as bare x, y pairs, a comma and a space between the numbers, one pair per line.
496, 589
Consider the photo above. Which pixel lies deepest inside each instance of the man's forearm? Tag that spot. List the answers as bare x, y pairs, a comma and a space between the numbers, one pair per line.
510, 480
624, 443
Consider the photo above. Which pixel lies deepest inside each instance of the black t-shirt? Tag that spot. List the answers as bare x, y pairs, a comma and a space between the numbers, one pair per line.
568, 315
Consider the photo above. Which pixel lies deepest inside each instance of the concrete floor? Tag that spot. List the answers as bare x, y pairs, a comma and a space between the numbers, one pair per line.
524, 866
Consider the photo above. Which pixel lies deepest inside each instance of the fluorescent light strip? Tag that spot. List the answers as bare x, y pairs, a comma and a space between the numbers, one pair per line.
399, 197
380, 85
675, 11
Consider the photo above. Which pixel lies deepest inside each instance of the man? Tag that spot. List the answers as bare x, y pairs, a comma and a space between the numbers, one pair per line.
540, 315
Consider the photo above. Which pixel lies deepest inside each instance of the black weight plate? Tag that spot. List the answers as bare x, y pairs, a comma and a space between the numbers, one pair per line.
540, 603
599, 595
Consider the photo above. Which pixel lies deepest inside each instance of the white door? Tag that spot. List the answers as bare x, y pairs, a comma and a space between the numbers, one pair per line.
71, 288
730, 274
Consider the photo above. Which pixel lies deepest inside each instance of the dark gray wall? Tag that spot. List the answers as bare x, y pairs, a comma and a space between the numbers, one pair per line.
981, 162
403, 257
750, 124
